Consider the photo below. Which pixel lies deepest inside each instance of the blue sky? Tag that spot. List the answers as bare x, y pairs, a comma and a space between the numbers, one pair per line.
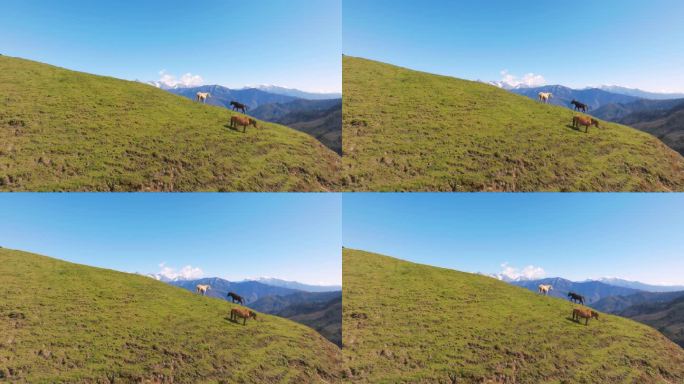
293, 43
290, 236
576, 43
575, 236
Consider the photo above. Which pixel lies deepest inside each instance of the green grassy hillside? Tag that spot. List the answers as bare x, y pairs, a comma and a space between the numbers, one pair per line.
404, 322
63, 322
407, 130
70, 131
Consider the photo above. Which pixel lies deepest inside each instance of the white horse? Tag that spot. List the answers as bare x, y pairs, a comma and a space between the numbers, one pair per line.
545, 96
202, 96
544, 289
202, 289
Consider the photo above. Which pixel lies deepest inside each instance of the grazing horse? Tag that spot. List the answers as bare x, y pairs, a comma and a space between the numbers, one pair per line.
579, 106
544, 289
202, 96
236, 298
238, 106
544, 96
577, 121
576, 298
584, 313
242, 313
202, 289
236, 121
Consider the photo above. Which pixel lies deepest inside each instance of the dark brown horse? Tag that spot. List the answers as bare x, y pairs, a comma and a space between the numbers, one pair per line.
236, 298
243, 314
579, 106
577, 121
237, 106
584, 313
243, 121
576, 298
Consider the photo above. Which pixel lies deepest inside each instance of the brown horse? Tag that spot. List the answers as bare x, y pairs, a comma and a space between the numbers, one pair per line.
584, 313
236, 121
577, 121
243, 314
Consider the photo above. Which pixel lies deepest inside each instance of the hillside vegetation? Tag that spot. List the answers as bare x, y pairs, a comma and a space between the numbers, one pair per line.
63, 322
405, 322
406, 130
667, 317
68, 131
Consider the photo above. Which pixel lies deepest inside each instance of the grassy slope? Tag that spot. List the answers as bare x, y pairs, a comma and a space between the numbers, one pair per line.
404, 322
65, 130
67, 322
407, 130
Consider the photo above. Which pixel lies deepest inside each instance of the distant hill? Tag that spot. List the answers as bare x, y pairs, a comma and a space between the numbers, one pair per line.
406, 322
321, 119
617, 304
64, 323
618, 111
321, 311
406, 130
62, 130
593, 291
562, 96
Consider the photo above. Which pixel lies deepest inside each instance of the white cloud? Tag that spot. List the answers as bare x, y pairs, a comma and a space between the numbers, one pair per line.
187, 272
527, 80
186, 80
529, 272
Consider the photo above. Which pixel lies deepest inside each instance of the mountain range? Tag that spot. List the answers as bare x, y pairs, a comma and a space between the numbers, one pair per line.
222, 96
640, 93
297, 285
297, 93
318, 307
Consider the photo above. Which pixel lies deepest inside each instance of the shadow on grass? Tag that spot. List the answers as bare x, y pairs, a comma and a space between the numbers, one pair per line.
232, 128
576, 129
234, 321
578, 322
